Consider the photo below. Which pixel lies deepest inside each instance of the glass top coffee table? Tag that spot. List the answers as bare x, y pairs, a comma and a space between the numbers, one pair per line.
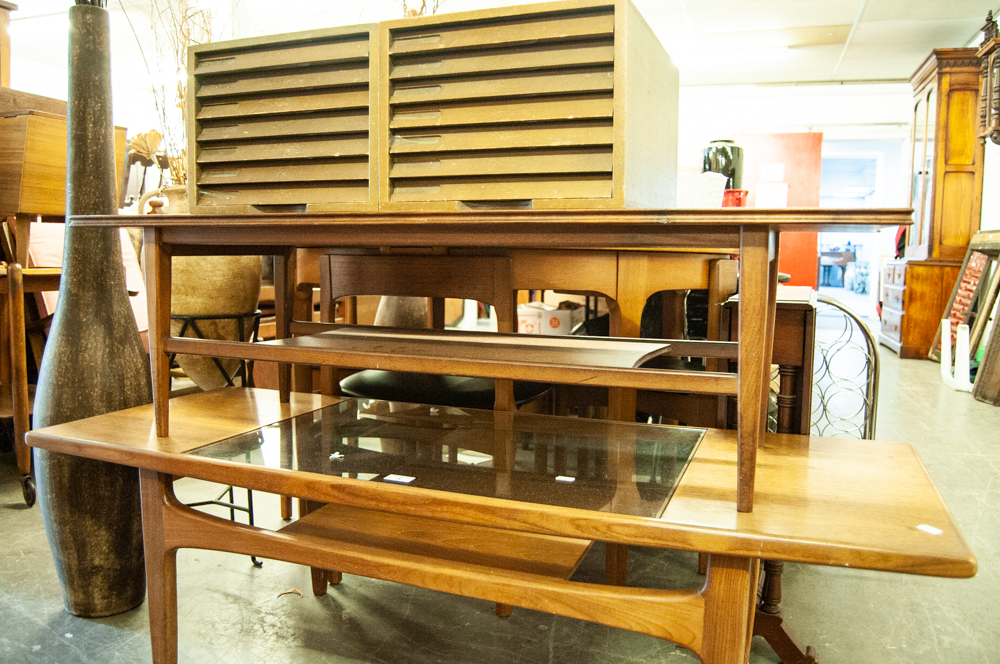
531, 458
496, 505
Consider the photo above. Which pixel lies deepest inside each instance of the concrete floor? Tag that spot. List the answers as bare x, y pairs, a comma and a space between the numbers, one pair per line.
232, 612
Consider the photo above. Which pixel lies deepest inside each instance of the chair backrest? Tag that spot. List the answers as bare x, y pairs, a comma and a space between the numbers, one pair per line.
485, 279
845, 373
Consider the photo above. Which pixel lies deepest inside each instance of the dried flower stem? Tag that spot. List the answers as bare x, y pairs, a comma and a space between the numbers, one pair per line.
411, 12
175, 25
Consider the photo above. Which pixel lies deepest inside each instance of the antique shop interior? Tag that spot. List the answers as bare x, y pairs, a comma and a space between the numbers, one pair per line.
578, 331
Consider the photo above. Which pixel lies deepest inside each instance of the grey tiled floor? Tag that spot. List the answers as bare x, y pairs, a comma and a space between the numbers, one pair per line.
231, 612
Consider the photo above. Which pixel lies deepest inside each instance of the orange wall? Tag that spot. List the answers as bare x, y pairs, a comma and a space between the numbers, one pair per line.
801, 154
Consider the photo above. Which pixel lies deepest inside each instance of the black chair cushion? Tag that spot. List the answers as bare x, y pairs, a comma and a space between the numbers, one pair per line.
454, 391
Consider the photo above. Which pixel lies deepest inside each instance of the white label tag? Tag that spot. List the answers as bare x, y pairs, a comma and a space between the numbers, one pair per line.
399, 479
565, 478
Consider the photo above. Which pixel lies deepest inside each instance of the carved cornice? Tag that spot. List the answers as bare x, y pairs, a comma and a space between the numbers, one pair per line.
945, 60
990, 29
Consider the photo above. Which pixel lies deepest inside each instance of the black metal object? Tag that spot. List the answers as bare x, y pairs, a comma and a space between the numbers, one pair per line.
190, 321
28, 490
233, 507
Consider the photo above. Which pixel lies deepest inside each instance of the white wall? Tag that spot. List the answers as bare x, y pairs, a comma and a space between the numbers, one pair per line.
841, 112
990, 219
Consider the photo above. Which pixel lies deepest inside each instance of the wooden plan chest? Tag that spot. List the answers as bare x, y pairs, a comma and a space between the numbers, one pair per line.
554, 105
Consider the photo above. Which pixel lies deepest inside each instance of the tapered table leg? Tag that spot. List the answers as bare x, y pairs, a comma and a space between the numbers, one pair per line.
158, 285
284, 303
758, 285
730, 595
161, 567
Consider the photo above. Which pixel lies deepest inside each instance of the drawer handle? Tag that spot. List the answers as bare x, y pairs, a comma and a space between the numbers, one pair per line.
414, 140
414, 190
207, 174
418, 67
214, 60
416, 165
415, 115
219, 152
414, 92
419, 39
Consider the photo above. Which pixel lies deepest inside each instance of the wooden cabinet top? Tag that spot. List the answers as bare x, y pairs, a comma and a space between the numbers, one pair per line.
945, 60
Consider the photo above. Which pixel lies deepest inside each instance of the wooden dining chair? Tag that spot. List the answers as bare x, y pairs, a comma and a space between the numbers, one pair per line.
436, 277
485, 279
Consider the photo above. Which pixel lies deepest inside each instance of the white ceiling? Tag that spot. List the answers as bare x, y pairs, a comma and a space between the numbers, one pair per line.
785, 41
713, 41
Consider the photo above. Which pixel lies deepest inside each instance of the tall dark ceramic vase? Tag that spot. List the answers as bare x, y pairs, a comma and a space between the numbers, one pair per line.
94, 360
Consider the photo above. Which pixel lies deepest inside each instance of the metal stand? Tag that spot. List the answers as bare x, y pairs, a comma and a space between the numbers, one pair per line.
190, 321
245, 373
233, 508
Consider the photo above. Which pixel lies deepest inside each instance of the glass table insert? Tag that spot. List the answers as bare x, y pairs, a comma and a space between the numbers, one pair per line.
569, 462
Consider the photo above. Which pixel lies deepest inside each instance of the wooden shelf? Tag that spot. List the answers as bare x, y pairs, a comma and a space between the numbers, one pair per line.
444, 543
571, 360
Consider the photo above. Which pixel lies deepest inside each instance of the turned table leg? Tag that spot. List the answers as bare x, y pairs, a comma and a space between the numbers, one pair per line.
768, 622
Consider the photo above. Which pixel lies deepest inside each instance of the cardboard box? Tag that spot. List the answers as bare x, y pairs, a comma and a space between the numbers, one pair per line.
539, 318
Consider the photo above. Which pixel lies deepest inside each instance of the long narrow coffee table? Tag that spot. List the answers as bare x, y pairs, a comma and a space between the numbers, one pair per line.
829, 502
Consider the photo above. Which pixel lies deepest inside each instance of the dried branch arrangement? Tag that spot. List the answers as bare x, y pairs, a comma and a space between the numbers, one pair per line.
174, 25
413, 12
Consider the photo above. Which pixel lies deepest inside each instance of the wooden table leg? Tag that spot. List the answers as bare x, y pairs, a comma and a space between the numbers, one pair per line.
758, 269
504, 451
771, 313
321, 578
158, 284
329, 377
161, 567
625, 318
302, 309
284, 302
788, 398
768, 621
18, 367
730, 595
616, 564
22, 236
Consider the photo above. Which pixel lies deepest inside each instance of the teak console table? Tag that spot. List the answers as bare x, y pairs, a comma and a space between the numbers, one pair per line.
753, 233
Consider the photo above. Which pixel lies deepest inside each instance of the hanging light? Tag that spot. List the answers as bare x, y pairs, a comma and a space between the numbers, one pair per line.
989, 110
